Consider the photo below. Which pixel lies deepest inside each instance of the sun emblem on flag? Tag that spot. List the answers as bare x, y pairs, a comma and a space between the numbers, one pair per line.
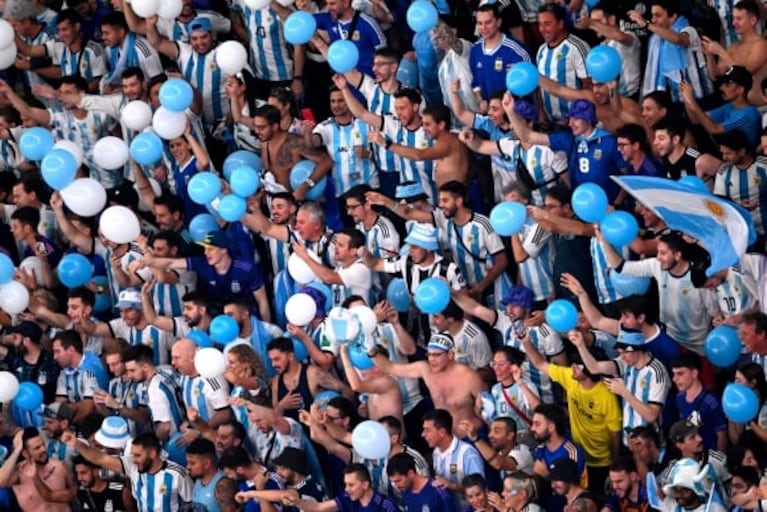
715, 208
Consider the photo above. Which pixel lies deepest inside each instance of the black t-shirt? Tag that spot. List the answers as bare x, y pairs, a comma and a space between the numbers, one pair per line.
685, 166
110, 499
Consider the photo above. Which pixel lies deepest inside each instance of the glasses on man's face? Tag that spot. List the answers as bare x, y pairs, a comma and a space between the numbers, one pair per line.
332, 418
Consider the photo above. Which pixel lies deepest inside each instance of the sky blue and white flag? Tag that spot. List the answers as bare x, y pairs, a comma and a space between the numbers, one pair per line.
719, 225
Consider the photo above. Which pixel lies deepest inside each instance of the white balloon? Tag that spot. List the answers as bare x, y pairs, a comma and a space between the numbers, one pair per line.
32, 265
169, 125
366, 317
85, 196
6, 34
371, 440
257, 4
14, 297
231, 57
210, 363
299, 270
111, 153
170, 9
300, 309
137, 115
156, 189
8, 56
119, 224
285, 3
72, 148
9, 387
145, 8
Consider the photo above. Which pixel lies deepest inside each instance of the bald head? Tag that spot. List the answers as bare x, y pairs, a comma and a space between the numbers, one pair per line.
182, 356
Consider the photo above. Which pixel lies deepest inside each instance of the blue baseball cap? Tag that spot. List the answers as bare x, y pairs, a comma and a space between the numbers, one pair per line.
216, 238
200, 24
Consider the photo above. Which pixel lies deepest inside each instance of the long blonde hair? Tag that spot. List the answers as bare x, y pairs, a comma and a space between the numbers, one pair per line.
252, 362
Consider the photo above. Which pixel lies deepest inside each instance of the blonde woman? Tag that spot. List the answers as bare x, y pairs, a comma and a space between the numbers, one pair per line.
247, 375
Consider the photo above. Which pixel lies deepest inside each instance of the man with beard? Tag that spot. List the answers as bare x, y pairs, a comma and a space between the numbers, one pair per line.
688, 442
195, 313
346, 140
549, 427
95, 493
229, 434
133, 327
680, 159
254, 481
501, 450
219, 275
71, 51
405, 129
162, 393
281, 150
124, 396
296, 384
57, 419
282, 212
208, 397
82, 374
157, 484
628, 492
39, 483
28, 360
201, 464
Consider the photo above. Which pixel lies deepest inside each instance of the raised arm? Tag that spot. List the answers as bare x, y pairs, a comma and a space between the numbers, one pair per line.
595, 317
357, 109
414, 370
564, 92
160, 43
38, 115
534, 356
463, 114
164, 323
474, 308
478, 144
92, 454
524, 132
606, 31
592, 365
402, 210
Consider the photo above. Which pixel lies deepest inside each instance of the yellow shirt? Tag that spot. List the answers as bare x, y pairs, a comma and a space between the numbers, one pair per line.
594, 415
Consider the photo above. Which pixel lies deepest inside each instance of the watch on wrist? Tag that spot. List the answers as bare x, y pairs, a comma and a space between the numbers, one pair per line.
309, 182
388, 143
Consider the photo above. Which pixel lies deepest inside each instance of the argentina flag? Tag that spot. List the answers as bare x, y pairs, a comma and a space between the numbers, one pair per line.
724, 229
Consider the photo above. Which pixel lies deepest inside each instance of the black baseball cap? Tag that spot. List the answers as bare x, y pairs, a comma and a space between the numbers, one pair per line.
29, 330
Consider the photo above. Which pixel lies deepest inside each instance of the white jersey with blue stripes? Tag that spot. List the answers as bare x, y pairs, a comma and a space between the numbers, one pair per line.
410, 389
89, 63
537, 271
649, 384
176, 30
606, 292
543, 165
160, 341
270, 55
749, 184
565, 64
380, 103
411, 170
203, 73
164, 402
737, 293
342, 141
205, 395
167, 490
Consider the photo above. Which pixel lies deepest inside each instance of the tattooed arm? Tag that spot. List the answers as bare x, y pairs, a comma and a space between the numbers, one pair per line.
295, 149
320, 379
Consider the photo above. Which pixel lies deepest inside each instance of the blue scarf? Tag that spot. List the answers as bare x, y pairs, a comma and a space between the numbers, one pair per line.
673, 57
121, 59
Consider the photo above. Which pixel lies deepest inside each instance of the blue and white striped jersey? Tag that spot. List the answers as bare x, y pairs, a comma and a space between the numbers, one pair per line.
411, 170
204, 74
270, 55
176, 30
160, 341
537, 271
167, 490
650, 384
205, 395
543, 165
89, 63
341, 141
749, 184
566, 65
163, 401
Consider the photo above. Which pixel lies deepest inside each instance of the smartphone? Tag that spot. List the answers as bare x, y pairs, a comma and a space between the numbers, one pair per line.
308, 115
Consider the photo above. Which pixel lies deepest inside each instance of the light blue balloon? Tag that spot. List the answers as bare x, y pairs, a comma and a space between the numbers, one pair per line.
298, 175
200, 338
35, 143
6, 269
740, 403
522, 78
201, 225
58, 168
589, 202
29, 397
432, 296
407, 73
299, 27
359, 357
695, 183
244, 181
323, 397
146, 148
74, 270
240, 158
723, 347
224, 329
371, 440
603, 64
629, 285
343, 56
561, 315
398, 295
508, 217
231, 208
619, 228
176, 95
299, 350
204, 187
422, 16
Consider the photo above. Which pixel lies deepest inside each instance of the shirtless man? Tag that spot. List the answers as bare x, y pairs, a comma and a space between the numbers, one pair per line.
613, 110
450, 156
40, 484
384, 397
454, 387
281, 150
748, 51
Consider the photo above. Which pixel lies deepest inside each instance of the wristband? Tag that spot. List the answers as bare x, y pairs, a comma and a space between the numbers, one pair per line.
388, 143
